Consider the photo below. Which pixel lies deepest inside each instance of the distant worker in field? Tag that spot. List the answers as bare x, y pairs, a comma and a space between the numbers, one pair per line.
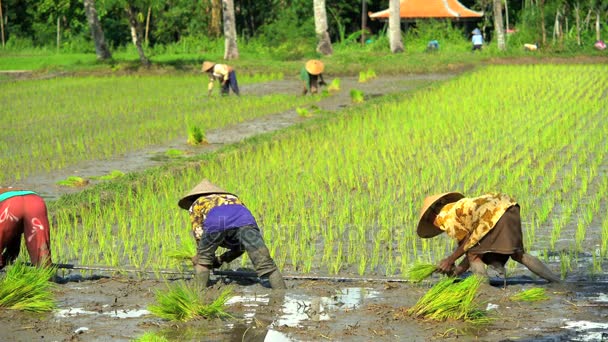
220, 219
477, 40
599, 45
312, 76
23, 213
488, 231
223, 73
531, 47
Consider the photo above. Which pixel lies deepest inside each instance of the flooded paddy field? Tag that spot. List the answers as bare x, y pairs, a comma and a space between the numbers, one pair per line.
114, 309
98, 308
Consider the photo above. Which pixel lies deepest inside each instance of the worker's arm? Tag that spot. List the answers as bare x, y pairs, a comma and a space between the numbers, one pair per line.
447, 265
321, 80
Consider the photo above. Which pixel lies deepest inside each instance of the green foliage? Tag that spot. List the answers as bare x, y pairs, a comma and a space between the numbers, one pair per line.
530, 295
184, 302
27, 288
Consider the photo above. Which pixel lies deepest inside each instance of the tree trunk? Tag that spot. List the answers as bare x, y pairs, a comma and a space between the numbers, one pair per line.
324, 45
216, 25
597, 25
363, 20
394, 26
2, 23
136, 36
543, 28
101, 48
231, 51
507, 14
147, 24
58, 32
499, 28
577, 15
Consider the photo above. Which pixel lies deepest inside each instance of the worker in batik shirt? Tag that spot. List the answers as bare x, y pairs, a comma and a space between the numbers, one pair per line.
487, 229
220, 219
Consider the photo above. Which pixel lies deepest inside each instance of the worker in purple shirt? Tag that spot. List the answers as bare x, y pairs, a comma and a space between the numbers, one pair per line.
220, 219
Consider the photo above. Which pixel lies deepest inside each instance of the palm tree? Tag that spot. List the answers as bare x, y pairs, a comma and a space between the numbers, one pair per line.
499, 27
394, 26
101, 48
231, 50
324, 45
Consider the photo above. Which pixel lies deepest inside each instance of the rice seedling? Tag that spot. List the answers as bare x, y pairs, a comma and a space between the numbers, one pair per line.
112, 175
303, 112
73, 181
150, 337
334, 85
183, 253
367, 75
530, 295
196, 135
27, 288
356, 96
451, 298
173, 153
420, 271
184, 302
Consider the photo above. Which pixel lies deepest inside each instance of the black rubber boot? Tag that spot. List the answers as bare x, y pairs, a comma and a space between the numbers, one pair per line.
276, 281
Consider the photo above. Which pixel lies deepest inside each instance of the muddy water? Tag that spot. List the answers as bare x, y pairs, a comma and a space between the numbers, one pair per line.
116, 310
45, 183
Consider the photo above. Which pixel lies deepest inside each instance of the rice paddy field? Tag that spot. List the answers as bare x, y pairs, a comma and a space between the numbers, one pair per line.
338, 195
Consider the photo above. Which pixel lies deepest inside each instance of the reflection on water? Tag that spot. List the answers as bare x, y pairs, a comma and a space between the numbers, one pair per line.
587, 331
296, 309
71, 312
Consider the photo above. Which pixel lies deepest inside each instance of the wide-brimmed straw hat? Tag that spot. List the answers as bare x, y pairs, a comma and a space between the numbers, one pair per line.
207, 66
426, 228
314, 67
203, 188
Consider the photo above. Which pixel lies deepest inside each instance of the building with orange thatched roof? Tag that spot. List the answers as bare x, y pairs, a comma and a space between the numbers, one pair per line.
427, 9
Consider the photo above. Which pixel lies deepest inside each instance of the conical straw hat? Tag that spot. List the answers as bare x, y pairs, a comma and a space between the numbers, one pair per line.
314, 67
207, 66
426, 228
203, 188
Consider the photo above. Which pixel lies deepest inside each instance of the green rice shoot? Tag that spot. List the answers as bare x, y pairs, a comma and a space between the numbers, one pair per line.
420, 271
27, 288
531, 295
356, 96
184, 252
451, 299
334, 85
73, 181
151, 337
184, 302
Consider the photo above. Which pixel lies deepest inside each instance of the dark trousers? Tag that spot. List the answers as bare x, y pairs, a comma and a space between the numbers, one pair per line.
237, 241
231, 84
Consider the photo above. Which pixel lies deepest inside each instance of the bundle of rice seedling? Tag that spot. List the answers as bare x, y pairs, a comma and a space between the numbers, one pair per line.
334, 85
356, 96
451, 299
183, 302
183, 253
150, 337
530, 295
27, 288
420, 271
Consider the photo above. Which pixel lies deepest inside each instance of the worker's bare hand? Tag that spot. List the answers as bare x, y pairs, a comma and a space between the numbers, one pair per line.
446, 266
195, 259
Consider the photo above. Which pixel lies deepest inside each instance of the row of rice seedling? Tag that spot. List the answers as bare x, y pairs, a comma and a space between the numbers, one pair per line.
55, 123
345, 197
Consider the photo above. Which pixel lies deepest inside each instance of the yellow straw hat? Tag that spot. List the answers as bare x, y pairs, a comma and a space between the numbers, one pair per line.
203, 188
314, 67
207, 66
426, 228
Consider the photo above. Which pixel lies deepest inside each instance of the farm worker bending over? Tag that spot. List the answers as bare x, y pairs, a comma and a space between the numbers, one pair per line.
487, 228
477, 39
220, 219
312, 76
23, 212
224, 74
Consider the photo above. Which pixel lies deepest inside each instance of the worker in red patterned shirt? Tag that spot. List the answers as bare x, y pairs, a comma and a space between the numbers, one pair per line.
23, 212
220, 219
